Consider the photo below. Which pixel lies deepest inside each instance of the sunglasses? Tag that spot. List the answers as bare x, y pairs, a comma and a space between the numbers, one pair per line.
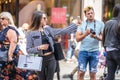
44, 18
2, 18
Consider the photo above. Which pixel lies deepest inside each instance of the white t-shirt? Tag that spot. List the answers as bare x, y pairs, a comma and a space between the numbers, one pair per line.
22, 41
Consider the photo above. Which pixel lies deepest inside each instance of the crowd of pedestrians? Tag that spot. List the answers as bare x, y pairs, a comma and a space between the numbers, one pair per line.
37, 38
38, 41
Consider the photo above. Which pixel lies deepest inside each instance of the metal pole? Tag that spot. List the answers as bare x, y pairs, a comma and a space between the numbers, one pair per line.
17, 12
81, 6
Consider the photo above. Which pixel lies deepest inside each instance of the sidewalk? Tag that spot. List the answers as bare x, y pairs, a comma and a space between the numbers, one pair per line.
66, 68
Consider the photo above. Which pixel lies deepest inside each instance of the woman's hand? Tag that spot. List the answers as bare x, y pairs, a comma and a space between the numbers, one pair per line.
43, 47
10, 58
75, 21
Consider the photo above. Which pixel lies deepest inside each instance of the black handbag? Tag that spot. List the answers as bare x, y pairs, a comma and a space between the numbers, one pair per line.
58, 52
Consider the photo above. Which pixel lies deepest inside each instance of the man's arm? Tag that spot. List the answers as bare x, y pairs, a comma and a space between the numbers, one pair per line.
97, 37
80, 36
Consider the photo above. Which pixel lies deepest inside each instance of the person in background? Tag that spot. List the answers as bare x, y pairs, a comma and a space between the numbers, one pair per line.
11, 36
76, 50
111, 43
71, 48
72, 73
22, 37
58, 40
40, 41
8, 46
89, 33
72, 41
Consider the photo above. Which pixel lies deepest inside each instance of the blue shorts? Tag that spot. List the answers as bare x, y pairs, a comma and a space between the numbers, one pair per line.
85, 57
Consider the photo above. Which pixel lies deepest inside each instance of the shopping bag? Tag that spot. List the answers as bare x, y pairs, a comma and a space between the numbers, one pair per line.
30, 62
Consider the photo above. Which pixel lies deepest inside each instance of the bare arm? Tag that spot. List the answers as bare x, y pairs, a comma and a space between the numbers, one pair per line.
97, 37
12, 37
80, 36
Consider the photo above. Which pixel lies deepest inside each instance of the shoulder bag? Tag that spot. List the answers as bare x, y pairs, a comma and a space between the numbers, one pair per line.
58, 52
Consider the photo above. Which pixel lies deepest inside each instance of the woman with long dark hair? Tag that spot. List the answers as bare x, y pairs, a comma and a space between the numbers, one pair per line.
40, 41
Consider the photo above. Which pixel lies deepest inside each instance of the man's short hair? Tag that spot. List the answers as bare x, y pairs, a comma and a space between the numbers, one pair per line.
88, 8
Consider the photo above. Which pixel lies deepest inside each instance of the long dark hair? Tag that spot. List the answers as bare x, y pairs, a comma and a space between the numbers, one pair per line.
35, 20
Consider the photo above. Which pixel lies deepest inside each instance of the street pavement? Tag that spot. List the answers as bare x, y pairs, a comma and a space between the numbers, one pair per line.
66, 68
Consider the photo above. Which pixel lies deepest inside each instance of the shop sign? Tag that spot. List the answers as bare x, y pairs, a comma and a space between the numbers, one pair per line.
58, 15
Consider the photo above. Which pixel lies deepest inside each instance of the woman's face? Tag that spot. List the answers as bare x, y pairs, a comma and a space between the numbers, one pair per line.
4, 21
44, 20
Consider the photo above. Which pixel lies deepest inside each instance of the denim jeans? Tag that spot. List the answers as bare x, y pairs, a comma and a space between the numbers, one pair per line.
84, 58
70, 51
48, 68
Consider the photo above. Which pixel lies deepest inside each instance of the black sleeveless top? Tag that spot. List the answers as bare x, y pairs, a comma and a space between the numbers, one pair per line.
3, 39
45, 40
